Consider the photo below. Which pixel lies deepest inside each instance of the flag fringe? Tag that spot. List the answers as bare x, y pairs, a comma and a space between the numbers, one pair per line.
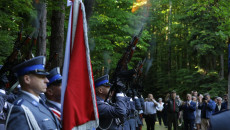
87, 126
89, 65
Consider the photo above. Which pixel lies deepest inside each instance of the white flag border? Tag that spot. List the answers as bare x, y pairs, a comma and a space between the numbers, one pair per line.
90, 124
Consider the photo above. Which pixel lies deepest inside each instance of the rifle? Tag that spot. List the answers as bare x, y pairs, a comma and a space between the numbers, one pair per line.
122, 65
139, 70
137, 82
11, 60
29, 54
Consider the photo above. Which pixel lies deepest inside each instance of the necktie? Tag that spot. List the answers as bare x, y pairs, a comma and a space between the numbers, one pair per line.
43, 103
173, 105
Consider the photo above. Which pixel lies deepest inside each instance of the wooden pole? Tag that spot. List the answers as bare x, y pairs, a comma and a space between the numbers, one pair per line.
228, 74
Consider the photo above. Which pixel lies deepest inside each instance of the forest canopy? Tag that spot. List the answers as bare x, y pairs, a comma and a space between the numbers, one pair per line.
185, 42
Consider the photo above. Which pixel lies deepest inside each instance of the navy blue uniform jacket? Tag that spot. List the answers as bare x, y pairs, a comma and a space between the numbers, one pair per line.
108, 113
220, 121
44, 117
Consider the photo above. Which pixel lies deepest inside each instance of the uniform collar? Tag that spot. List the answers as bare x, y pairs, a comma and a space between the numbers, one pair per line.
2, 91
31, 95
100, 99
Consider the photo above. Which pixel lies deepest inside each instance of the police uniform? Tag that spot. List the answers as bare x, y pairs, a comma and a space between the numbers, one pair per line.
54, 77
110, 115
29, 111
131, 119
131, 122
138, 108
220, 121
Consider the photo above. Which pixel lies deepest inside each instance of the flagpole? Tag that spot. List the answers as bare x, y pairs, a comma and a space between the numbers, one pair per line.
66, 60
78, 111
228, 73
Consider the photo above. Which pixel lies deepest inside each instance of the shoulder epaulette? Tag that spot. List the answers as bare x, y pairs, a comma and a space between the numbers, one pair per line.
19, 102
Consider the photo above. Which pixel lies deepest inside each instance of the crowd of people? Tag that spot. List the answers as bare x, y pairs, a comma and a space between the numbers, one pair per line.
36, 106
197, 111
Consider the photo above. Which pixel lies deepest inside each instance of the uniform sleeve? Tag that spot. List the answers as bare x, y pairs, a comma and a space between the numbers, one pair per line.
17, 119
137, 103
142, 102
116, 111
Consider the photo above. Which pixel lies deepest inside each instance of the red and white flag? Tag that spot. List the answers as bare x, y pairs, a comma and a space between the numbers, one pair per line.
79, 106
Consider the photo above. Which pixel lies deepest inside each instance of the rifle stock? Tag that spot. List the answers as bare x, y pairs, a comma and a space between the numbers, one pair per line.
11, 60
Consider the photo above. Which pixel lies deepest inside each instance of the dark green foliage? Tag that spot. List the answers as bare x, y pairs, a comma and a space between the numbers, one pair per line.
13, 14
112, 26
199, 32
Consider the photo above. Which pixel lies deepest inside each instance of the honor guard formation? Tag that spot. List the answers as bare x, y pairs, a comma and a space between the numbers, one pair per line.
37, 104
33, 92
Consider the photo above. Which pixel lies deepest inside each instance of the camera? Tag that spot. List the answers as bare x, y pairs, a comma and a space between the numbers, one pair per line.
205, 98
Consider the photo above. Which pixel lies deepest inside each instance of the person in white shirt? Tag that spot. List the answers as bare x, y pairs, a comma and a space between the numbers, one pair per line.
160, 108
198, 113
150, 112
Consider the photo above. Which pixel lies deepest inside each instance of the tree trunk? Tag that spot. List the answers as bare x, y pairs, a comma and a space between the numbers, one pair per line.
222, 66
57, 35
228, 41
41, 39
88, 8
169, 40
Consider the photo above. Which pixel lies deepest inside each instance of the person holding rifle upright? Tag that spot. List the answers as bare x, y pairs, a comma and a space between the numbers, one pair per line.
111, 116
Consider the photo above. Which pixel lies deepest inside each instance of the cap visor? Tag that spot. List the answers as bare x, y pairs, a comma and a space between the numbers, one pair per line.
107, 84
42, 73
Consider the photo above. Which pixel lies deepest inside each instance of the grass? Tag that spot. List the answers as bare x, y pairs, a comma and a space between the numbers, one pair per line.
157, 126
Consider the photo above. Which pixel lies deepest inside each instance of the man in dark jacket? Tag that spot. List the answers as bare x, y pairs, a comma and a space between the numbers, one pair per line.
219, 105
189, 108
173, 109
207, 107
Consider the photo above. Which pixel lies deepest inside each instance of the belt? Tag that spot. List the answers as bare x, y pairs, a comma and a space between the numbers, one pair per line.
151, 114
131, 117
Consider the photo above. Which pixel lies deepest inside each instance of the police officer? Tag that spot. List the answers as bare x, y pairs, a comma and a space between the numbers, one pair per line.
53, 93
220, 121
29, 111
110, 115
130, 122
138, 108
